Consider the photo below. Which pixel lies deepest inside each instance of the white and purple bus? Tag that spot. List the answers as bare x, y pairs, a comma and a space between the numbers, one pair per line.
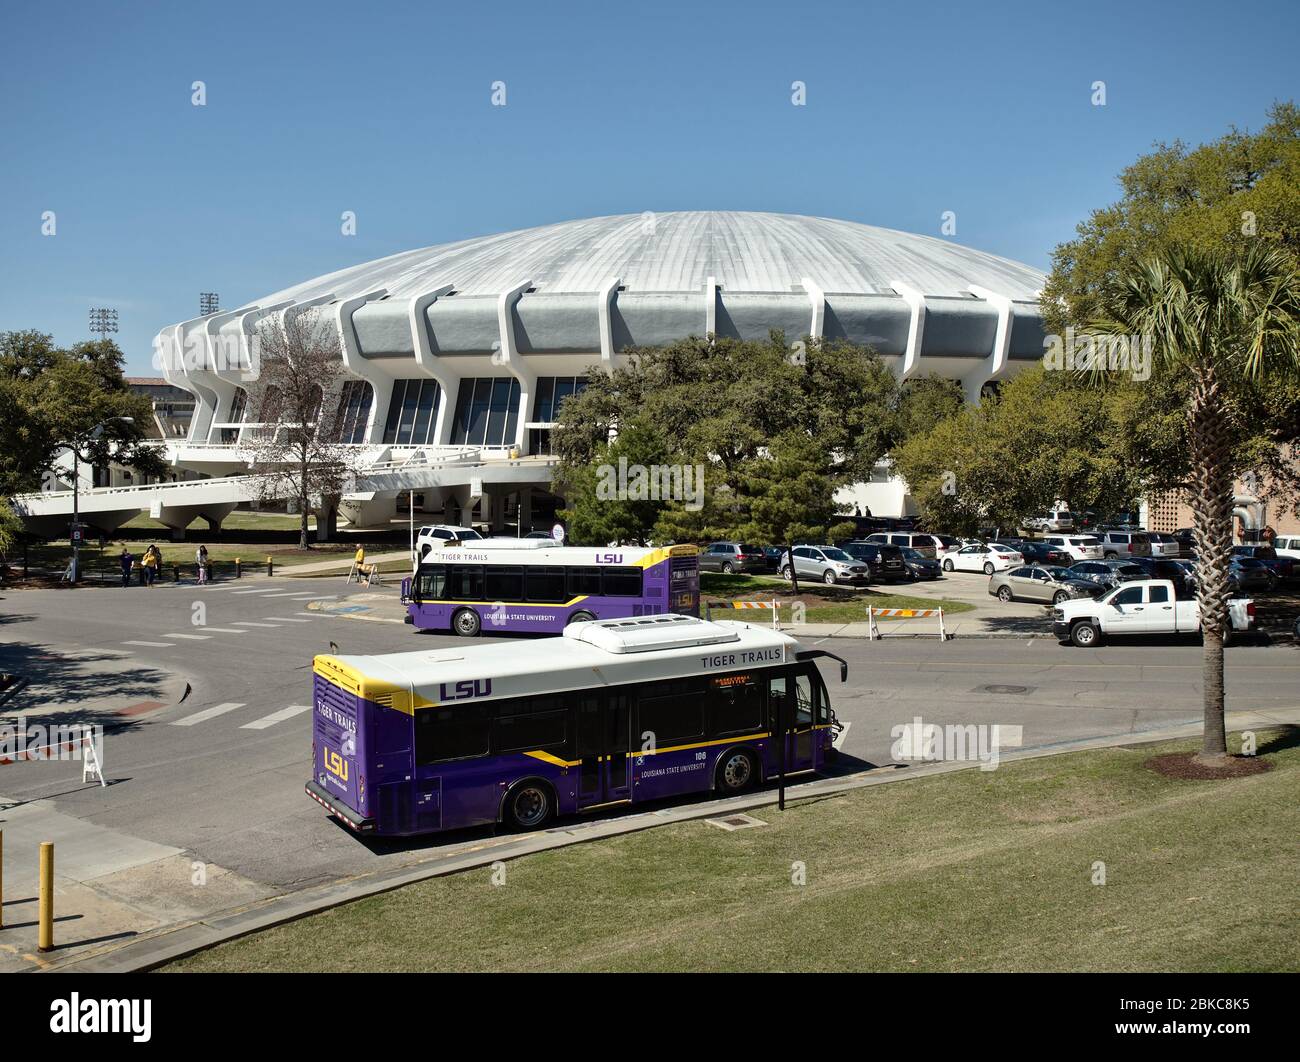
533, 586
613, 712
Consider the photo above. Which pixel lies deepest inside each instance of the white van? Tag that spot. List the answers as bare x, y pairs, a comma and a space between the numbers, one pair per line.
1287, 546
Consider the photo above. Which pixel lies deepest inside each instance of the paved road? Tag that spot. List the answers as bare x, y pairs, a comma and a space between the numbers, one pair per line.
214, 785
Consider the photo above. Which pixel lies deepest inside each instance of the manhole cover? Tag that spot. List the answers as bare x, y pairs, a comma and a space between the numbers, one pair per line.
1007, 690
736, 822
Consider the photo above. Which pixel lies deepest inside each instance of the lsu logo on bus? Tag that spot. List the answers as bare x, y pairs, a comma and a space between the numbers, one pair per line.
609, 558
464, 689
336, 765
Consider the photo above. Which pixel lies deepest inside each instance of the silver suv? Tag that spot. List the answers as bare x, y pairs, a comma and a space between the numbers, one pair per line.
827, 563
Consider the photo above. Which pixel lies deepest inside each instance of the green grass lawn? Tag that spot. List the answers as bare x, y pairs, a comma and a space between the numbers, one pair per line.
822, 604
967, 871
251, 555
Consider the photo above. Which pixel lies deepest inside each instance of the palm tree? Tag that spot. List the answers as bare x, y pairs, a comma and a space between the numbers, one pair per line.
1227, 323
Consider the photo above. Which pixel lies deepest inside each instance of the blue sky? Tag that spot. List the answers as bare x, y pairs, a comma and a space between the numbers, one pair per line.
385, 109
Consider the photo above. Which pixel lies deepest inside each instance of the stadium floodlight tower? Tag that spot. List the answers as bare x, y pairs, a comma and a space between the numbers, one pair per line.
209, 303
103, 320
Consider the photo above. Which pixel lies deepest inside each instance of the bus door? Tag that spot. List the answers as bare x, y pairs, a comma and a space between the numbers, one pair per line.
791, 699
604, 738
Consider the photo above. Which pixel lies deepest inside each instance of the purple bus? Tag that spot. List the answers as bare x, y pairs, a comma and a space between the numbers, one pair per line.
612, 712
528, 585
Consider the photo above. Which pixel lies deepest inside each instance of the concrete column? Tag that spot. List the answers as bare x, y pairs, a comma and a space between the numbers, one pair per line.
525, 510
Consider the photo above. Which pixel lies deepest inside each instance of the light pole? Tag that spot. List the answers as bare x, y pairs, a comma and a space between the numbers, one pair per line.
77, 440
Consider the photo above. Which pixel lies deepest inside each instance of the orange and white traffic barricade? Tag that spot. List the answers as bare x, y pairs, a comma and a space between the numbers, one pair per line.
874, 614
772, 605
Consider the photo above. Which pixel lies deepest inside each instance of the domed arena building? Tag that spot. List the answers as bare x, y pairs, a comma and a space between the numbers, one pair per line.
457, 356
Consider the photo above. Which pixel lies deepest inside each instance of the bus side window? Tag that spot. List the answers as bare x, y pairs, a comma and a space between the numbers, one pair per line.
545, 584
432, 584
465, 582
778, 706
584, 581
622, 582
502, 583
451, 733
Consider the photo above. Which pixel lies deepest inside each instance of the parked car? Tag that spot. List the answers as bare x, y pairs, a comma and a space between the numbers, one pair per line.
731, 557
1163, 544
1079, 547
920, 566
772, 557
1183, 571
1050, 585
1109, 574
829, 564
1282, 567
539, 534
987, 557
432, 536
886, 563
1057, 520
929, 545
1038, 552
1186, 540
1246, 574
1153, 606
1124, 544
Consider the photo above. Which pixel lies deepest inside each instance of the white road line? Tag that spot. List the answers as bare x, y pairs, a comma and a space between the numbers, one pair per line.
224, 630
287, 619
152, 645
313, 615
264, 590
208, 713
251, 623
94, 652
277, 717
315, 597
190, 637
838, 743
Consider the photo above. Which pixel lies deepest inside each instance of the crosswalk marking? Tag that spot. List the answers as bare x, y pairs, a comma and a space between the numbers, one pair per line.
315, 597
251, 623
277, 717
208, 713
153, 645
838, 743
313, 615
224, 630
286, 619
87, 651
261, 590
190, 637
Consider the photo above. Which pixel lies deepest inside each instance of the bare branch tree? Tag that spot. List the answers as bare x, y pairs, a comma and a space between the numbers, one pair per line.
296, 452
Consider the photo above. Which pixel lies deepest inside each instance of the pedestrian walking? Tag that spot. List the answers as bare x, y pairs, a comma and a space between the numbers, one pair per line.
201, 559
126, 560
152, 561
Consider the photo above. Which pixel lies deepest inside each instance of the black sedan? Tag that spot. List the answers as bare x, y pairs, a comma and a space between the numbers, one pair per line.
920, 566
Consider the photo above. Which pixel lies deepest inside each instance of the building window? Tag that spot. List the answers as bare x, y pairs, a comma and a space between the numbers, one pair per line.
551, 393
354, 411
487, 412
412, 413
237, 406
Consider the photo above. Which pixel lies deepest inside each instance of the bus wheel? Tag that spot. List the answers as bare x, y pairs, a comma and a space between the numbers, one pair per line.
581, 617
529, 805
736, 772
466, 623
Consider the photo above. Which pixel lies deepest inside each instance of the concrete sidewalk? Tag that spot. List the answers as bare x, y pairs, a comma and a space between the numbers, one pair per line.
343, 563
160, 946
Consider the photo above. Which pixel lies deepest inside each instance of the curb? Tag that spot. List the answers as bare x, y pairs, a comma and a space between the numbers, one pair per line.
176, 942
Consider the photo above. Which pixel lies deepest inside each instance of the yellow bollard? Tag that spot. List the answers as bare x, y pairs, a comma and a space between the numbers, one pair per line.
45, 935
270, 565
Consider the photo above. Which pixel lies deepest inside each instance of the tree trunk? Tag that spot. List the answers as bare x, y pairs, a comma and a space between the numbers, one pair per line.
303, 471
1211, 503
794, 575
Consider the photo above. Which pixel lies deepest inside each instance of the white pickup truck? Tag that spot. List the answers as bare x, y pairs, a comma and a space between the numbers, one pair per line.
1145, 606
